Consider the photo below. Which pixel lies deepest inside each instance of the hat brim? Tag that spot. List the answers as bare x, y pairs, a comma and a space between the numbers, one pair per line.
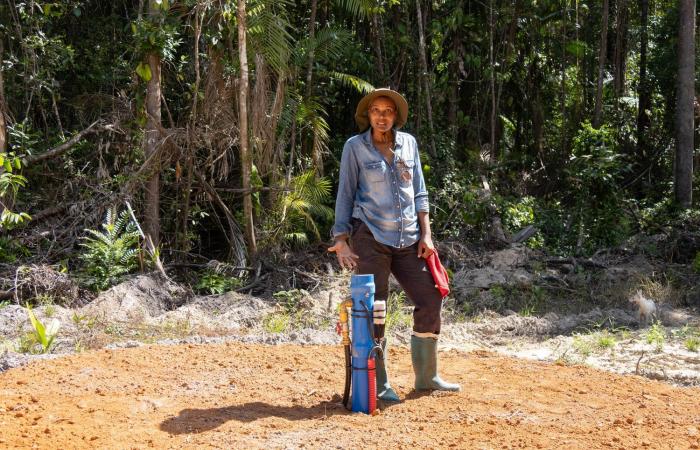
361, 117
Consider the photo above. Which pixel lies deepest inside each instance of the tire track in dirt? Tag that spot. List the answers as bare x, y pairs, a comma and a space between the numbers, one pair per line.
286, 396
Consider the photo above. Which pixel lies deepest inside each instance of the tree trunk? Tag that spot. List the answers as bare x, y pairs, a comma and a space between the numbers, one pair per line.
643, 119
153, 112
246, 160
601, 66
620, 59
425, 78
492, 81
3, 104
683, 179
377, 44
316, 154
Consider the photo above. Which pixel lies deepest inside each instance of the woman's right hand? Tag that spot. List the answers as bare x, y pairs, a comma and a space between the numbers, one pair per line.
346, 257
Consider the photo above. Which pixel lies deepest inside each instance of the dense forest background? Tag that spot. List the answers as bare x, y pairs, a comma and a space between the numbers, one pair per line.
212, 129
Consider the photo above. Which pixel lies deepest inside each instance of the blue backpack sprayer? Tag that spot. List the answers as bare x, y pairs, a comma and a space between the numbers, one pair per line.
364, 351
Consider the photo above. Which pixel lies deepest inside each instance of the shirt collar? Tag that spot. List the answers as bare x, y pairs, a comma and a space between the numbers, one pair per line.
398, 139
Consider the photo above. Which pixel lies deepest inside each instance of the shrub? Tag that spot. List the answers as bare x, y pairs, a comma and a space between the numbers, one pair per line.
112, 253
213, 282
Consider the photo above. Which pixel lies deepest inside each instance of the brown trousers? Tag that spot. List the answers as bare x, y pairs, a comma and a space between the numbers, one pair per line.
410, 271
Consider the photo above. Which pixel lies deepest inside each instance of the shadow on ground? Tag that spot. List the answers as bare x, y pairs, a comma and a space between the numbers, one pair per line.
194, 421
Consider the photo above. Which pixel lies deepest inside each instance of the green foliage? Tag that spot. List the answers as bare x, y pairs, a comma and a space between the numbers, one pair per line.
292, 313
300, 211
212, 282
291, 300
42, 337
150, 36
277, 322
110, 254
11, 250
605, 340
583, 345
519, 213
656, 335
692, 344
11, 182
398, 316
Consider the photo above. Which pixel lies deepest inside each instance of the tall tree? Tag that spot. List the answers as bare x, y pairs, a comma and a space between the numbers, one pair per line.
246, 160
425, 78
153, 124
316, 154
3, 105
644, 93
601, 65
685, 99
620, 57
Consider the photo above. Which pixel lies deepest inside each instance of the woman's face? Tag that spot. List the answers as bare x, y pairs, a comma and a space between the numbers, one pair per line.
382, 114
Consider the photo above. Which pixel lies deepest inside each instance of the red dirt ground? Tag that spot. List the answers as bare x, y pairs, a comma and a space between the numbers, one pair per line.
256, 396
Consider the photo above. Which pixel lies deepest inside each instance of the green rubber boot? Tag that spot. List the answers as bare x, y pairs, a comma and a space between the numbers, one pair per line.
384, 390
424, 359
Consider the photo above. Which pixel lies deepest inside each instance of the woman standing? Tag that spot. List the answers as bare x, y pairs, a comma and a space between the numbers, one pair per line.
382, 226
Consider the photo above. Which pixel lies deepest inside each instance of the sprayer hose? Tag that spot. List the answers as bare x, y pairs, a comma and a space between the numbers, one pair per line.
348, 377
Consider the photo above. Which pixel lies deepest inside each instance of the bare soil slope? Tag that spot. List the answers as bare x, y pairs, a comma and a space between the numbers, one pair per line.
287, 396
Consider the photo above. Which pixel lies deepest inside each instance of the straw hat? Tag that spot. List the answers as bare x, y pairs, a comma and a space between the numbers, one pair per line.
401, 107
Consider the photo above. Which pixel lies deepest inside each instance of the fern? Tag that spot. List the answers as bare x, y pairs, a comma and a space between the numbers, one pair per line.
112, 253
303, 208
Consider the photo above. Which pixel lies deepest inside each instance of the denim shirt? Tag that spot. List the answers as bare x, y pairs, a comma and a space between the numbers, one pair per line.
385, 197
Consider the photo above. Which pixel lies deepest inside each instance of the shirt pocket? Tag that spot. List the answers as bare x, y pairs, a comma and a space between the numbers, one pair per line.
375, 171
406, 171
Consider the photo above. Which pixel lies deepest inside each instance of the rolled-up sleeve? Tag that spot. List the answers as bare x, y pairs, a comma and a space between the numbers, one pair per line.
347, 187
419, 189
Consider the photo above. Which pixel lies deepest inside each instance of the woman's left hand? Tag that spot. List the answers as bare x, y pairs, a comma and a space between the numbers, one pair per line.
425, 247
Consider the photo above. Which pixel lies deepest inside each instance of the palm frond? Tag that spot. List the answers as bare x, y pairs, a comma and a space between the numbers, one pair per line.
268, 29
351, 81
358, 8
327, 45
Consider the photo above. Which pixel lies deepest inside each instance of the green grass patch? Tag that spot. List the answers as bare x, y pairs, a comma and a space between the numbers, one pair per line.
605, 340
277, 322
692, 344
398, 314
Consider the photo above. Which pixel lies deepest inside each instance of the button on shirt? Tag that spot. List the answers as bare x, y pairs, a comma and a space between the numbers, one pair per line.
386, 197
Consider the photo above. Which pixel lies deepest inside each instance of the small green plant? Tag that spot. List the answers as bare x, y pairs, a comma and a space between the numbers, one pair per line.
42, 337
605, 340
277, 322
583, 345
692, 344
213, 282
656, 335
49, 311
112, 253
83, 320
292, 299
527, 310
4, 303
397, 316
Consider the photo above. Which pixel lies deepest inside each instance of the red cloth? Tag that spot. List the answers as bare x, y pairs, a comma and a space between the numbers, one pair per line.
442, 280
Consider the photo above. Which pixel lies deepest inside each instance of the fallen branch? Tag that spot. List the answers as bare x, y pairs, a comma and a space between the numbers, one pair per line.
59, 150
636, 370
253, 284
576, 262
